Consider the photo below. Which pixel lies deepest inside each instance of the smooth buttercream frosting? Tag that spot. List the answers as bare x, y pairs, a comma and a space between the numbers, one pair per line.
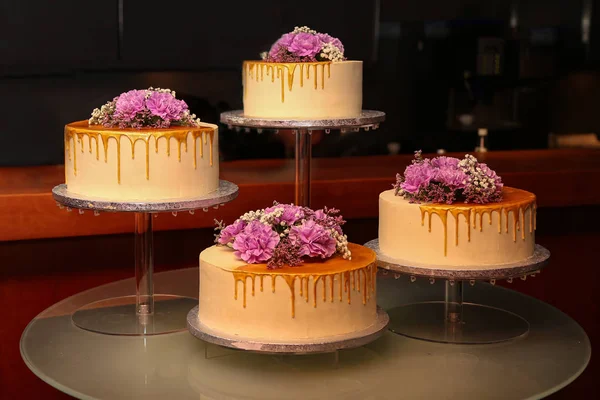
302, 90
316, 299
141, 164
458, 235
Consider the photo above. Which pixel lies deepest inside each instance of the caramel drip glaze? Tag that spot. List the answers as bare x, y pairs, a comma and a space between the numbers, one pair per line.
75, 132
257, 70
514, 205
358, 275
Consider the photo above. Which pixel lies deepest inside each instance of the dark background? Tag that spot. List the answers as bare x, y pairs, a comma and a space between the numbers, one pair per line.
61, 59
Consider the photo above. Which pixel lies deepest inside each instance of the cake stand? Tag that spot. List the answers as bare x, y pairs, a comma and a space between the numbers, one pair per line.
303, 129
452, 320
308, 346
146, 313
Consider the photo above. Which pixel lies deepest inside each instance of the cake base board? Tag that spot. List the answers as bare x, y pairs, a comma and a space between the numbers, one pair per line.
226, 192
529, 266
307, 346
117, 316
480, 324
366, 120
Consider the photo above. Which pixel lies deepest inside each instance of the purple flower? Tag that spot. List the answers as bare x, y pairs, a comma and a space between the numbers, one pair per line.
286, 40
129, 104
320, 214
452, 177
228, 234
291, 213
305, 45
445, 162
256, 243
325, 38
165, 106
417, 176
285, 255
314, 240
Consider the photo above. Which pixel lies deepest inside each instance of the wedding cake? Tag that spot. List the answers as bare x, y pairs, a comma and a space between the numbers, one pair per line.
455, 214
305, 75
287, 273
143, 145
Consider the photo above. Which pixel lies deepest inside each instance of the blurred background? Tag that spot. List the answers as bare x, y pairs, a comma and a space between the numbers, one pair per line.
526, 71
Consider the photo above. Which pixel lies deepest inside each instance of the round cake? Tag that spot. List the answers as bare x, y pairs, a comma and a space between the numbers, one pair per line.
142, 146
305, 75
456, 214
305, 282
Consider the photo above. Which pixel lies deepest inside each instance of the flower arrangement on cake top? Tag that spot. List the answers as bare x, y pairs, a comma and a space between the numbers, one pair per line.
150, 108
282, 235
305, 45
448, 179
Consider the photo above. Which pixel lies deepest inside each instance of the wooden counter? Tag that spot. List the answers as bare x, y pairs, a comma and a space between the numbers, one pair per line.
27, 211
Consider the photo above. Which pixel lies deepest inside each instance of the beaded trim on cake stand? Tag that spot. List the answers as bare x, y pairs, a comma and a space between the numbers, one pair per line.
452, 320
303, 129
145, 313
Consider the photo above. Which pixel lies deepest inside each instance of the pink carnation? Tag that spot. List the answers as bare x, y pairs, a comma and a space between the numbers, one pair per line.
417, 176
256, 243
228, 234
305, 45
313, 239
165, 106
290, 215
129, 104
325, 38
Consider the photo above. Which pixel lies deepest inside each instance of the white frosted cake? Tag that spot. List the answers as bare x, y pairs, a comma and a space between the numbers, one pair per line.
291, 277
144, 145
455, 214
304, 76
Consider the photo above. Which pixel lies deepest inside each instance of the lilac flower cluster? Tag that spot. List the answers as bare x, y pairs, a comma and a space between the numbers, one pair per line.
305, 45
151, 108
448, 179
283, 234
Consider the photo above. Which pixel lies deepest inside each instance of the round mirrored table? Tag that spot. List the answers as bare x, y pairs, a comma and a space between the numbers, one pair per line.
88, 365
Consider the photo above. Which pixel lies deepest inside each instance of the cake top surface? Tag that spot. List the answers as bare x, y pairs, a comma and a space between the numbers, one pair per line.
305, 45
448, 180
224, 257
284, 235
510, 197
148, 108
85, 127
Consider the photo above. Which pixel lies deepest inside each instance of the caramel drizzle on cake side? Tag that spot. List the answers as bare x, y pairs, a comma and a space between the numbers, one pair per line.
74, 134
361, 280
515, 205
257, 70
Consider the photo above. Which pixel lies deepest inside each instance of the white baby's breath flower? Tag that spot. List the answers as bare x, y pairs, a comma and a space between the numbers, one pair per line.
304, 29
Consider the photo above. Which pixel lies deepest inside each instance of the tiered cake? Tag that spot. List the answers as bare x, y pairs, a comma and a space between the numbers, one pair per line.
143, 145
451, 213
305, 75
287, 273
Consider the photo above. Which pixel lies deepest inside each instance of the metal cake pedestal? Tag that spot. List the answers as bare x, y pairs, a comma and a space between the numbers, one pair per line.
144, 313
452, 320
312, 346
303, 129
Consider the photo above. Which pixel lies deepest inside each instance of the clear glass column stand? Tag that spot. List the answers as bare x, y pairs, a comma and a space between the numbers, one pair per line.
146, 312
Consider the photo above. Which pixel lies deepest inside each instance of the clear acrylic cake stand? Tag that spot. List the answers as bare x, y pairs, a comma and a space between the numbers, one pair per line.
303, 129
452, 320
146, 313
